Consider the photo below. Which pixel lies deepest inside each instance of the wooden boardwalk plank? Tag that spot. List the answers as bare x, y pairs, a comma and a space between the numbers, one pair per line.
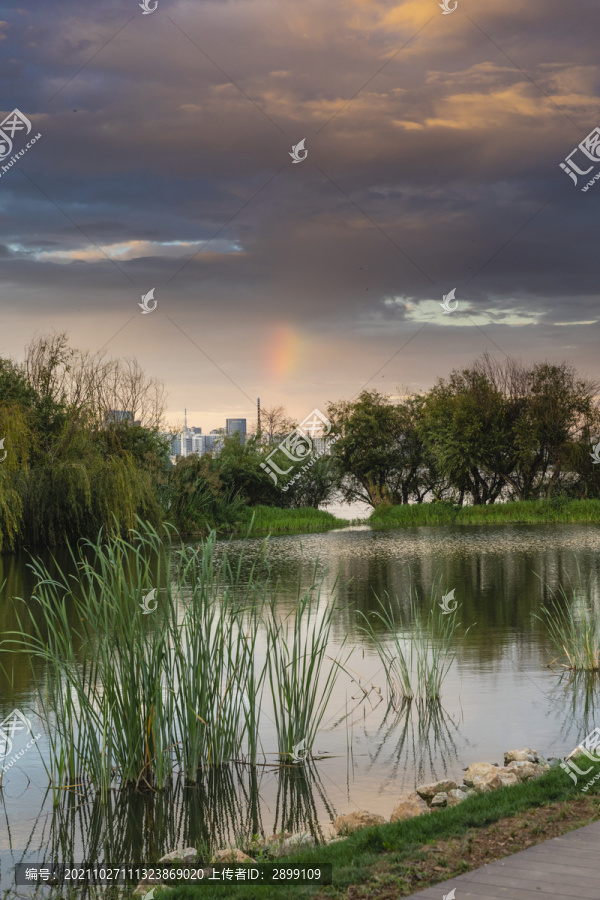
502, 878
562, 868
575, 853
479, 892
543, 864
562, 875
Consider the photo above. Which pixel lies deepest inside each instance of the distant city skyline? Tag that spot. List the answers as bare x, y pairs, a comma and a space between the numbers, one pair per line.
207, 421
191, 439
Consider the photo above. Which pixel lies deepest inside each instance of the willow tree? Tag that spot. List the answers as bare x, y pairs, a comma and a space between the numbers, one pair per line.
65, 474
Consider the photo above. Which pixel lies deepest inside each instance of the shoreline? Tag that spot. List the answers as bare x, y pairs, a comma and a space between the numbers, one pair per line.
389, 860
275, 521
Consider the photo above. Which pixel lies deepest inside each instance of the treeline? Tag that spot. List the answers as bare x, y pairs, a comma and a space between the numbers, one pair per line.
68, 466
493, 431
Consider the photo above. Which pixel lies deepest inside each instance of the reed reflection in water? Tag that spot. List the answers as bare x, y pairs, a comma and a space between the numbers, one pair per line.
224, 808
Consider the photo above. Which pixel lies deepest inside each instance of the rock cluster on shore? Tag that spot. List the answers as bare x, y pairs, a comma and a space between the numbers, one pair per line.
480, 777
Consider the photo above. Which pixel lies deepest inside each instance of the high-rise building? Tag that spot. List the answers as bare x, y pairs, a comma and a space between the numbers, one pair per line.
236, 426
184, 435
198, 442
213, 441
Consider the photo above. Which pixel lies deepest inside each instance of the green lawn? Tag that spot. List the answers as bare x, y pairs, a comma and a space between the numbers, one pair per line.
532, 512
273, 520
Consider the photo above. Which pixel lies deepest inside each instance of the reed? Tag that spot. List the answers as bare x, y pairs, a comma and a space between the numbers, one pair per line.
415, 649
301, 682
135, 700
417, 735
572, 621
102, 694
216, 686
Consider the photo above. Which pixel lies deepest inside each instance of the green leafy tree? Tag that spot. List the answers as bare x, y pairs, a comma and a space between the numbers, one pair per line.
557, 411
196, 500
312, 486
378, 453
238, 466
464, 430
65, 475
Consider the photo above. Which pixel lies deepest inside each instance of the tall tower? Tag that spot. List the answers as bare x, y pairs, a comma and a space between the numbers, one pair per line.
184, 434
258, 429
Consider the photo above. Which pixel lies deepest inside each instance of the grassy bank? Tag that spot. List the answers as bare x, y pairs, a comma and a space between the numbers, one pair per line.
273, 520
398, 859
532, 512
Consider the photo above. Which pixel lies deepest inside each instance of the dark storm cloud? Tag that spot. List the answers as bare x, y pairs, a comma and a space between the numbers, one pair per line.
443, 171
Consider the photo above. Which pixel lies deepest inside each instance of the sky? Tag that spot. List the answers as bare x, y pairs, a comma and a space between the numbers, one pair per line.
431, 164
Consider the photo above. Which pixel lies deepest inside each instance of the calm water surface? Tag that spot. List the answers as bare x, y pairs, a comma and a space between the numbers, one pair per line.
500, 694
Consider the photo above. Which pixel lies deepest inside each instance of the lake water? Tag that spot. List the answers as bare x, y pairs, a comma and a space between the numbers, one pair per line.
500, 694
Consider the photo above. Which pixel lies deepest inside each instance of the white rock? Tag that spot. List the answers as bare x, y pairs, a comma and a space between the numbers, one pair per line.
508, 778
480, 768
457, 796
486, 783
294, 843
229, 855
185, 855
526, 754
354, 820
525, 771
428, 791
408, 807
144, 886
